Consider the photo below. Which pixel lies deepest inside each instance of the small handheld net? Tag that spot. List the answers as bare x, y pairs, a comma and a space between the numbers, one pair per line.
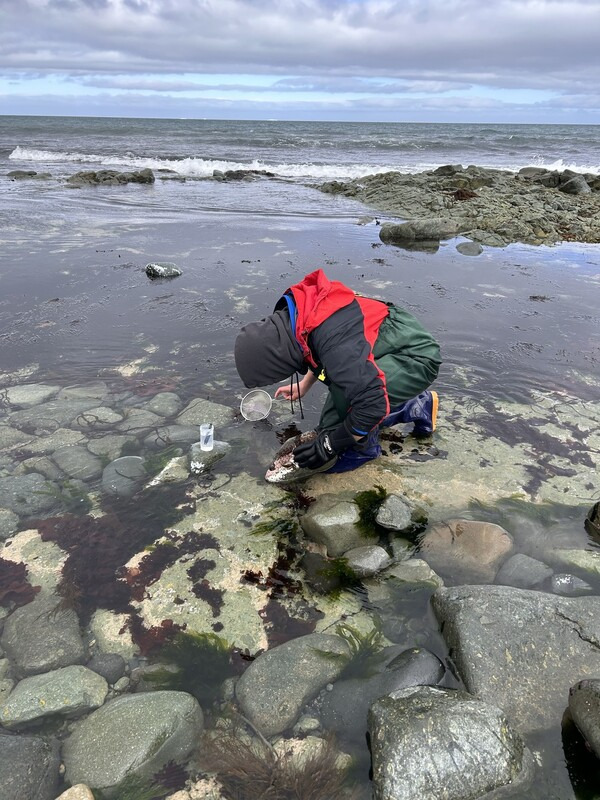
256, 405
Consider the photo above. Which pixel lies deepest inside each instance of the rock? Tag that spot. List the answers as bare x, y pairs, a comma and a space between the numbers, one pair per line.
275, 687
467, 550
9, 522
78, 462
412, 574
67, 692
175, 471
110, 177
30, 394
523, 572
519, 649
162, 269
29, 767
132, 735
123, 476
96, 389
50, 416
168, 435
395, 513
333, 522
430, 230
79, 792
431, 743
568, 585
584, 705
469, 248
198, 411
19, 174
44, 561
111, 666
202, 460
344, 709
11, 437
367, 561
111, 445
40, 637
45, 445
584, 560
27, 495
576, 185
97, 419
165, 404
43, 466
111, 633
302, 753
139, 422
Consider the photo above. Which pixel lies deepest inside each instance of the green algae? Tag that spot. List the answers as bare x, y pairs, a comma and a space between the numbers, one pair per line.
369, 502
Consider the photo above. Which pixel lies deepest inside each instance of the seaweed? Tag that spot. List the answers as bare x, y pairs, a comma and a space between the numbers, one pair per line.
369, 502
364, 651
72, 497
280, 626
203, 661
148, 640
15, 589
171, 777
281, 526
156, 462
248, 769
338, 573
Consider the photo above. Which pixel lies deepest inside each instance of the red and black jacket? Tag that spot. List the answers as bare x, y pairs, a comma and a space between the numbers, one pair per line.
336, 331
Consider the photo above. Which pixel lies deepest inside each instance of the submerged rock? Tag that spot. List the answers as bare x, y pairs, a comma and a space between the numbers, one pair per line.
470, 551
27, 395
430, 743
134, 735
278, 683
67, 692
27, 495
334, 522
40, 637
523, 572
367, 560
345, 707
428, 230
519, 649
123, 476
198, 411
395, 513
29, 767
9, 522
567, 585
202, 460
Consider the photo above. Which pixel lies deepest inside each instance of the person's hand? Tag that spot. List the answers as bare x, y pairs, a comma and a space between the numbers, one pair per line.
316, 453
288, 392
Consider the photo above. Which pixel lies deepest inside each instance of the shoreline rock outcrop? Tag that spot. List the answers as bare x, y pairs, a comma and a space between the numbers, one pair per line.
490, 206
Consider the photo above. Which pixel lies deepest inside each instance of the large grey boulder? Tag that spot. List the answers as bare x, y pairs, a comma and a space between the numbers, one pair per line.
575, 185
39, 637
334, 522
165, 404
432, 229
51, 416
520, 649
432, 743
278, 683
467, 550
367, 560
395, 513
29, 767
133, 735
27, 495
345, 707
584, 704
67, 692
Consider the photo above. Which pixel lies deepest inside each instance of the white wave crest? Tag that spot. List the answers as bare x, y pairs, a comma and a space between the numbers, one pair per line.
200, 167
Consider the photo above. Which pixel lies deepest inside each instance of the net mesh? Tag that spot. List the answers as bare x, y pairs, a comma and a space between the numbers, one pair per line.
256, 405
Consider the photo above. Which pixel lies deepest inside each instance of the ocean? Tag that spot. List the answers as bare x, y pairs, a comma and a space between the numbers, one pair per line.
519, 326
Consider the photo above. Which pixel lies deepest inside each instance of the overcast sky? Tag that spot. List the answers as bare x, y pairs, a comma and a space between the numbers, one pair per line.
411, 60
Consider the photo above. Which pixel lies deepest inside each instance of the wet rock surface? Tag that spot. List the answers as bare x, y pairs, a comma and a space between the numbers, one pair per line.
333, 522
67, 692
132, 735
29, 767
276, 686
492, 207
430, 743
110, 177
521, 650
41, 636
344, 709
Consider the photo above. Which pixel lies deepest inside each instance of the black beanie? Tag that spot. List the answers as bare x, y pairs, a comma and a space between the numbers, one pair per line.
267, 351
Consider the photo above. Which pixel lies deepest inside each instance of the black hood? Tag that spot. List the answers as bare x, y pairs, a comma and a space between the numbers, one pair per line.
267, 351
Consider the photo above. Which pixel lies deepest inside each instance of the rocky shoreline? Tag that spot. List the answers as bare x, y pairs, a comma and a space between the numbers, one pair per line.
492, 207
232, 629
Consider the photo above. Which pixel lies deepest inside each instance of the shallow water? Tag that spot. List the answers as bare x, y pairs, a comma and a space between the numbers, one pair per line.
76, 306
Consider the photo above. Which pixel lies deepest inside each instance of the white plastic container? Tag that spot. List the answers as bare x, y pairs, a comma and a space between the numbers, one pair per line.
207, 436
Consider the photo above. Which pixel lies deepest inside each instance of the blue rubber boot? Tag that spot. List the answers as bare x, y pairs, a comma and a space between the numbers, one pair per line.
422, 410
356, 456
